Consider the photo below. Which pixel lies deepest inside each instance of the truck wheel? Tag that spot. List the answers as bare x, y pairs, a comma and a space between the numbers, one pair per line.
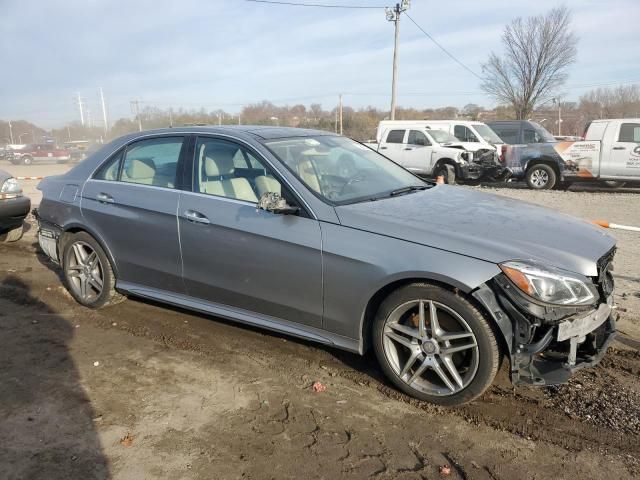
446, 171
12, 235
541, 177
435, 345
26, 160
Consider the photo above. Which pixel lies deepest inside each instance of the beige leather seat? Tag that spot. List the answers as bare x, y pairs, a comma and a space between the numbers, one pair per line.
266, 184
219, 163
308, 174
141, 171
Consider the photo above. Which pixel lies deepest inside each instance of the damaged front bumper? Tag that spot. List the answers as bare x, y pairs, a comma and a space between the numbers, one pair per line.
546, 348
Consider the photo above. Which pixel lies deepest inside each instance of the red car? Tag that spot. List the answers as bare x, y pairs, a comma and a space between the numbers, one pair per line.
37, 153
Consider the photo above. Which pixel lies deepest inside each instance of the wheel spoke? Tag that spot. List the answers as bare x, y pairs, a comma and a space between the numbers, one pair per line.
95, 283
448, 336
412, 332
443, 376
418, 371
84, 287
433, 317
79, 253
422, 330
453, 371
91, 260
400, 339
412, 359
74, 274
74, 268
457, 348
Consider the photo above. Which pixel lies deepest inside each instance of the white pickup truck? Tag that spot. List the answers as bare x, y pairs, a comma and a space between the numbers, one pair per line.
610, 152
431, 152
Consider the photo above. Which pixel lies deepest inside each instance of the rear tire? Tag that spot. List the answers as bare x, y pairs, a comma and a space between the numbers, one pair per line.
613, 184
447, 362
26, 160
88, 274
12, 235
541, 177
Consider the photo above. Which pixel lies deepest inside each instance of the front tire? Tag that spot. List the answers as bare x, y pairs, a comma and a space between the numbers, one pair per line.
435, 345
87, 271
26, 160
541, 177
448, 172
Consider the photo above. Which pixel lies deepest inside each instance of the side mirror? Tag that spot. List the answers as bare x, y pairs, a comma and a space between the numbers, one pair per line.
274, 203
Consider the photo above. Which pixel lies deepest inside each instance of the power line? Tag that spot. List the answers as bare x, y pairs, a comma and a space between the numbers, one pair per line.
318, 5
444, 49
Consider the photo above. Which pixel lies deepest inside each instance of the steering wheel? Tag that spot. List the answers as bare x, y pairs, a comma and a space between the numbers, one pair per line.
358, 177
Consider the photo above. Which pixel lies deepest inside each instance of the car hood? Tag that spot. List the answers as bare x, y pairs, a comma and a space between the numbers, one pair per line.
484, 226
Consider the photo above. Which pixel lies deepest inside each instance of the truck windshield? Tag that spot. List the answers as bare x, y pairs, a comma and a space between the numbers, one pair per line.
440, 136
485, 132
341, 170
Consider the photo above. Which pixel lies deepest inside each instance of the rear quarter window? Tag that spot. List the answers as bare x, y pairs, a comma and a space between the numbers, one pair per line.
395, 136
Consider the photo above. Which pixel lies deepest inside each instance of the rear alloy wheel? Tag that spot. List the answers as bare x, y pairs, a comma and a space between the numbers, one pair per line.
88, 273
434, 345
541, 177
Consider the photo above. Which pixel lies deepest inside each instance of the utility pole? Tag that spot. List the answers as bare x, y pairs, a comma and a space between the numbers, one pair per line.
393, 15
557, 100
10, 132
135, 108
81, 110
104, 112
340, 114
89, 119
171, 118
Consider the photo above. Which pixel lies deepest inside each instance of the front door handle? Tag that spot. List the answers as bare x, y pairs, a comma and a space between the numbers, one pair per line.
196, 217
409, 148
619, 148
104, 198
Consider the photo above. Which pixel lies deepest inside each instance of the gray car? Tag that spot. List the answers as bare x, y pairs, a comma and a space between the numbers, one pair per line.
317, 236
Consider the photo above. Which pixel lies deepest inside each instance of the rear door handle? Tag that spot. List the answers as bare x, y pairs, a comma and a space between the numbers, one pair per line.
619, 148
383, 148
196, 217
104, 198
409, 148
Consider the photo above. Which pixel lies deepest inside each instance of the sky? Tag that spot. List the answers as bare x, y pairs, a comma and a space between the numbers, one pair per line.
225, 54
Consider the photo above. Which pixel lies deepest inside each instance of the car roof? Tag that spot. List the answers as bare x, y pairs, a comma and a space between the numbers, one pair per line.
265, 132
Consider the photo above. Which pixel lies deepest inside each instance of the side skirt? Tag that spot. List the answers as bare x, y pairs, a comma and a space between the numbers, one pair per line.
242, 316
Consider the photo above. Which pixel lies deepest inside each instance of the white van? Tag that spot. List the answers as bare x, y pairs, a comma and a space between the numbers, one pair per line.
473, 136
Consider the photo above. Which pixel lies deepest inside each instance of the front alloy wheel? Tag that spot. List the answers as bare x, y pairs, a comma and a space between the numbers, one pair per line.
435, 345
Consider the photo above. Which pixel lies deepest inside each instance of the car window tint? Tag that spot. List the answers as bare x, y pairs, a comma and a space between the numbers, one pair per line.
109, 170
508, 135
464, 134
416, 137
629, 132
395, 136
226, 169
152, 162
530, 136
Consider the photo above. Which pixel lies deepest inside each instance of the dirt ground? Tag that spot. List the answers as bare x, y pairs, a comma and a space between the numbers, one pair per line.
145, 391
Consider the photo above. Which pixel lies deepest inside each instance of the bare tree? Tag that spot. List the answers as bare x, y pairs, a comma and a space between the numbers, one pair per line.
538, 51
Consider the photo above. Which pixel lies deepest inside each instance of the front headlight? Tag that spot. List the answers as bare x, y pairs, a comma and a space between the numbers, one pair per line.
11, 188
550, 284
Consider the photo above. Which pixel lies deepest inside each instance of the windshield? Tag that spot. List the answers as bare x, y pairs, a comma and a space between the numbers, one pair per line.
440, 136
486, 133
341, 170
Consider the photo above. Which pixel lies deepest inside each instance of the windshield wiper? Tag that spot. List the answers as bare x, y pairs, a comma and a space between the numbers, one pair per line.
409, 189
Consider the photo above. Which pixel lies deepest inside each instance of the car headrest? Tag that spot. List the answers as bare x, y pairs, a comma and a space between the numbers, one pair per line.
218, 161
141, 168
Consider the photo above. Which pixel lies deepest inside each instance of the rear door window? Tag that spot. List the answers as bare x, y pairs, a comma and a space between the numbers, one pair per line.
508, 135
629, 133
395, 136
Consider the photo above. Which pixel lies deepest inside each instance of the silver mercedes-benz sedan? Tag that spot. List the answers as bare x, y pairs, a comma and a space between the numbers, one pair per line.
318, 236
